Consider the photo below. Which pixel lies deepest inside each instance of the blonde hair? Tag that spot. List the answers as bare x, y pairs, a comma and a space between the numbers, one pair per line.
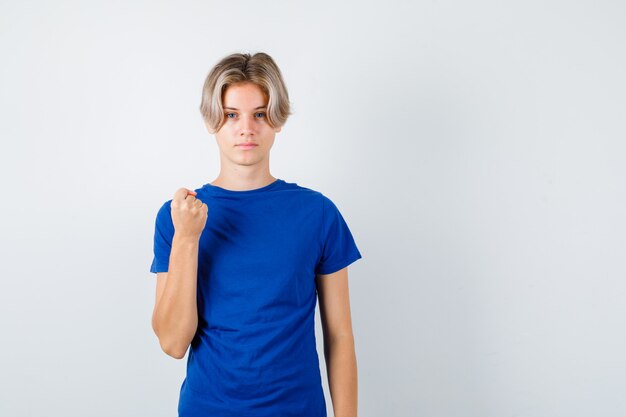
259, 69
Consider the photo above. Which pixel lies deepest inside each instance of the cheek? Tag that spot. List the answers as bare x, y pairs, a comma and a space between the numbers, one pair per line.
222, 137
226, 129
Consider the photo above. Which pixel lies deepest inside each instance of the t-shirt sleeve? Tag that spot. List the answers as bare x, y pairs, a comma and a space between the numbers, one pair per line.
163, 235
338, 247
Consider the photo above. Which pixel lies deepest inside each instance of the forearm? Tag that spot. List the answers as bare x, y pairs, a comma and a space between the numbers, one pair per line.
176, 316
341, 368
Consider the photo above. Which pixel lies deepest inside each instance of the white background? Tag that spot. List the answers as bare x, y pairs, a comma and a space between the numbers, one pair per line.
476, 150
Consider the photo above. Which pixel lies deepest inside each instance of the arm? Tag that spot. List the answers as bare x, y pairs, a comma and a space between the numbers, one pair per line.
341, 367
175, 316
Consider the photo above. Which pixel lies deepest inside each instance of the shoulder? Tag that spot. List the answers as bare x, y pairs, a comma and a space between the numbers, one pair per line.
318, 202
309, 193
165, 208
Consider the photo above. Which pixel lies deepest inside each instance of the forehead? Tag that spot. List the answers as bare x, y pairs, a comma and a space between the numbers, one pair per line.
244, 95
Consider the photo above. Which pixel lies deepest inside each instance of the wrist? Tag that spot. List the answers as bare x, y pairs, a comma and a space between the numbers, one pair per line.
185, 239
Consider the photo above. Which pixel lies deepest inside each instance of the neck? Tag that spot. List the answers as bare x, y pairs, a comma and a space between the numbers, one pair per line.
243, 181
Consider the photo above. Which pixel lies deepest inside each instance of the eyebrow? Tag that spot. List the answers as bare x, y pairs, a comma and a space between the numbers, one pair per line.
256, 108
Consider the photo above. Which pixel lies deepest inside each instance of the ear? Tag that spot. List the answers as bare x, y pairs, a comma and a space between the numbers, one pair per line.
278, 129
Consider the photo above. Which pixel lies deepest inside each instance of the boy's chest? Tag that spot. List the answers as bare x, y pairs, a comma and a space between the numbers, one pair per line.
253, 260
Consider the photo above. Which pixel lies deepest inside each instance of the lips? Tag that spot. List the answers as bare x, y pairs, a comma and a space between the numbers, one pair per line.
247, 146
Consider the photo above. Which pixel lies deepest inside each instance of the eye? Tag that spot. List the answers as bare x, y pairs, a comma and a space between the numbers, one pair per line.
230, 115
260, 114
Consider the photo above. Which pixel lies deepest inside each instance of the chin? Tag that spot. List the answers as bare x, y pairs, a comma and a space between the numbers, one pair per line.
248, 162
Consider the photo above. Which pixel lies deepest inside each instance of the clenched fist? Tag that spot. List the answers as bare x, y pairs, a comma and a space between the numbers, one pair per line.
189, 214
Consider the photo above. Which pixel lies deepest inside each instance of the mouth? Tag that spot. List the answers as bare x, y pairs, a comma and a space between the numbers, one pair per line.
247, 145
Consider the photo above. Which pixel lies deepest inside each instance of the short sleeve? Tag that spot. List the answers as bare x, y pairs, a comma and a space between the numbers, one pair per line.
338, 247
163, 235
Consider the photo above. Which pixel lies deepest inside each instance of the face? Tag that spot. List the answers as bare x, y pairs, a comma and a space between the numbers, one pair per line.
246, 137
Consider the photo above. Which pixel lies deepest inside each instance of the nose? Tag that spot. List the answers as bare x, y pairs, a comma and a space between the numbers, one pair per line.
247, 126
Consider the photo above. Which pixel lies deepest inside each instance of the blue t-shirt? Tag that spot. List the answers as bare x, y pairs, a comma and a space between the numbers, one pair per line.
254, 351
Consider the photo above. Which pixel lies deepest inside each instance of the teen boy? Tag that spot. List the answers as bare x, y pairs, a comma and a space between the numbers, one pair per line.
241, 261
